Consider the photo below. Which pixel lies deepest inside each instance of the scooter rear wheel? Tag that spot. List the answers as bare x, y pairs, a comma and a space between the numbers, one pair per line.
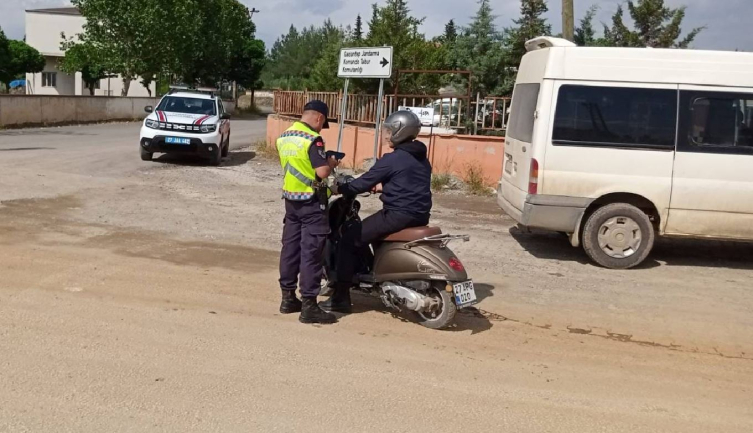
444, 316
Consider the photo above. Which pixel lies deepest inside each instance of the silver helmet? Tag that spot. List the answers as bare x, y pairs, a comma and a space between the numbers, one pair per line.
403, 126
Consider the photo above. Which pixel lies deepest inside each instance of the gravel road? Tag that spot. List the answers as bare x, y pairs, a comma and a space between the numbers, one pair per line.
141, 296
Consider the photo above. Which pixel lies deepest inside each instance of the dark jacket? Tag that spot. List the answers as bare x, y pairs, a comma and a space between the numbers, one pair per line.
405, 175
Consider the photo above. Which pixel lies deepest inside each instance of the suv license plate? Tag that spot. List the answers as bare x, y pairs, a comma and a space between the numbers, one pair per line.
465, 294
177, 140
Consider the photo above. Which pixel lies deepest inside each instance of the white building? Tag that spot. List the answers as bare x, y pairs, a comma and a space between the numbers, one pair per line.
43, 32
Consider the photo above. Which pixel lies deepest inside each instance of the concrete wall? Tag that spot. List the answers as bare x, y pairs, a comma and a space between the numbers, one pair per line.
19, 110
447, 153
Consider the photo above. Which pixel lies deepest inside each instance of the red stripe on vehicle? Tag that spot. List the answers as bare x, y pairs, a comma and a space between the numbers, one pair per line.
201, 120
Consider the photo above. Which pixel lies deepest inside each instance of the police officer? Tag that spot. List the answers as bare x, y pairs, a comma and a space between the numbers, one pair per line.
404, 179
306, 227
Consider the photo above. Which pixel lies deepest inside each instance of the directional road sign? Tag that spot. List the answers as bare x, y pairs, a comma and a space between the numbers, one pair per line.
370, 62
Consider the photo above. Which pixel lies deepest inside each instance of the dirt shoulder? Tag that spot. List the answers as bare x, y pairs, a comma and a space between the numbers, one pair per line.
142, 296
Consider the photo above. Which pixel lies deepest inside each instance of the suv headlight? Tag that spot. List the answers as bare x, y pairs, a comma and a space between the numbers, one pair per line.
208, 128
154, 124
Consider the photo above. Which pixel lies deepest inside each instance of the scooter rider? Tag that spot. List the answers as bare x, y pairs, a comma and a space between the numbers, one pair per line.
405, 179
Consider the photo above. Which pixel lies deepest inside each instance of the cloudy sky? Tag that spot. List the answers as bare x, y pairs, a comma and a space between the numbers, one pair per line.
728, 22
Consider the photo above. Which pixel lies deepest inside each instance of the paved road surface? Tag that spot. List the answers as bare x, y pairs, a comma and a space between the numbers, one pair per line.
142, 297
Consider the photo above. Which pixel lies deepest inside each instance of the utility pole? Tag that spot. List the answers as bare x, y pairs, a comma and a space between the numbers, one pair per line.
568, 20
251, 13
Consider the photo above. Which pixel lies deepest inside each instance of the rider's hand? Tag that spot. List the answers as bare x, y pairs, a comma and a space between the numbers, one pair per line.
332, 162
334, 188
377, 189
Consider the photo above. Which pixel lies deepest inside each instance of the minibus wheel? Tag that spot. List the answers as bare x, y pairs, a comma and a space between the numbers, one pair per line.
618, 236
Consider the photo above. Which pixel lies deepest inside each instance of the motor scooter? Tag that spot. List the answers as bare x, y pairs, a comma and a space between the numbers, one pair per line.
412, 270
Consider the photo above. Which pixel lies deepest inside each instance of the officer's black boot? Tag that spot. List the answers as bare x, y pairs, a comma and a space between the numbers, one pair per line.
339, 302
311, 313
290, 304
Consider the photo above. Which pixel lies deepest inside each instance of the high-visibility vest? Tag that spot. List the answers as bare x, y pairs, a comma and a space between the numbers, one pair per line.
299, 176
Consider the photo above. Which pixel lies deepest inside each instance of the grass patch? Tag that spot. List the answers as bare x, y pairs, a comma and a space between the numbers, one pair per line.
265, 150
440, 182
475, 183
247, 113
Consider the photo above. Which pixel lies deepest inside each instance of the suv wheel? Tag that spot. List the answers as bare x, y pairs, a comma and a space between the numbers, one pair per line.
145, 156
618, 236
226, 148
216, 157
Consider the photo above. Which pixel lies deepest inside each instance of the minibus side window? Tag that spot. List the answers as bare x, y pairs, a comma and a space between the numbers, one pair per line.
524, 100
722, 121
616, 117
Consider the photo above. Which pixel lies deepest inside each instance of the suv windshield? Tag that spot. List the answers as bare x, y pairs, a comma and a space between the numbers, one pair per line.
179, 104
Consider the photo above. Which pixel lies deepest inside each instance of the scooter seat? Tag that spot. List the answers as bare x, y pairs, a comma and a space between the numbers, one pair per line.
413, 234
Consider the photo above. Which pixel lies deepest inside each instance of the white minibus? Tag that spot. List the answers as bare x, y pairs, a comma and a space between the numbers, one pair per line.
615, 146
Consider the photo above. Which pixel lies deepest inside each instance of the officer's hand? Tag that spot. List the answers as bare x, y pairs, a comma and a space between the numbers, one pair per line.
377, 189
333, 163
334, 188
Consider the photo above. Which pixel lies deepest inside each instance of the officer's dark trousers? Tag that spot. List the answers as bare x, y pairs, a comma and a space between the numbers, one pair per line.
303, 236
356, 238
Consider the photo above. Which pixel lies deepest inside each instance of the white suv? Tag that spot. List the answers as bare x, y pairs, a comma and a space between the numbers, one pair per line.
187, 121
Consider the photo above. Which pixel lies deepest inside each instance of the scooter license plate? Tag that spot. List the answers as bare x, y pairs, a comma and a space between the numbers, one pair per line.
465, 294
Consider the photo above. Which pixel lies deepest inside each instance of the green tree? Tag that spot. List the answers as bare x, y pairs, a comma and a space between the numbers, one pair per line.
374, 18
531, 24
194, 41
479, 49
21, 59
4, 54
393, 25
585, 35
655, 25
84, 58
292, 58
358, 31
450, 32
124, 32
248, 64
324, 73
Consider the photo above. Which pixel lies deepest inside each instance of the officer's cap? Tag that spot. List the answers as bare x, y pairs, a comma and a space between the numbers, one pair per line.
319, 107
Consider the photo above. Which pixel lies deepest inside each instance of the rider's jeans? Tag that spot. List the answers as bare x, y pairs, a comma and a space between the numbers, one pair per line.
357, 237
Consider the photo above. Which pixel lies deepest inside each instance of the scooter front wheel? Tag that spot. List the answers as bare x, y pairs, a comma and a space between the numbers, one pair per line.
442, 316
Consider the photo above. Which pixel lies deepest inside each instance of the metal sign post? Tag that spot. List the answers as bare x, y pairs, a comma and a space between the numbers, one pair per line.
369, 62
343, 111
378, 119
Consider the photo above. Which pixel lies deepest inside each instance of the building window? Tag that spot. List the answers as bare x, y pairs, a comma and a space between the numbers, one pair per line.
49, 79
722, 121
615, 117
